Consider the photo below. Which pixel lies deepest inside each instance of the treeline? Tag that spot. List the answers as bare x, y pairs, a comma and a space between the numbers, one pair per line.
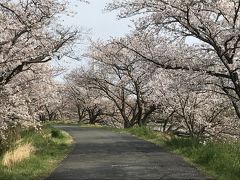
178, 70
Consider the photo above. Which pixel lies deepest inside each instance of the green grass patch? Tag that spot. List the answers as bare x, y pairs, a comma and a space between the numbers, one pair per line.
57, 133
218, 159
52, 146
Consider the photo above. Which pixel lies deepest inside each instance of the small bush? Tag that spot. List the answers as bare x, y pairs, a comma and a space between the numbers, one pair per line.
56, 133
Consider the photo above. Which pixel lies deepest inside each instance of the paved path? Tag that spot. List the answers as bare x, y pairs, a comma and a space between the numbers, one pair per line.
100, 154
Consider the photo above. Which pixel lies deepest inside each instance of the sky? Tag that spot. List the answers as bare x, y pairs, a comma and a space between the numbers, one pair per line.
99, 25
102, 24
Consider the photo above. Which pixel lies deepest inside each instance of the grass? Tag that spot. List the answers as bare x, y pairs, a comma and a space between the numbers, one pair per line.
21, 153
218, 159
51, 146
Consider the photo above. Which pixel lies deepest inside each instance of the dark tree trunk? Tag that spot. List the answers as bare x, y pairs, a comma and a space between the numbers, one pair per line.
93, 115
144, 119
127, 124
42, 117
81, 113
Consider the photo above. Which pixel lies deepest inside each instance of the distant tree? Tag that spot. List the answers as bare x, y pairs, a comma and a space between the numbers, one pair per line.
88, 102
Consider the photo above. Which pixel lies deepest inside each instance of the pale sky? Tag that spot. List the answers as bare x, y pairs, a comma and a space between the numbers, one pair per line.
103, 25
91, 16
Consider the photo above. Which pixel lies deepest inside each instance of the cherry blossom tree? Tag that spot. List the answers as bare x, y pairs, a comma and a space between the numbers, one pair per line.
213, 25
22, 100
189, 109
30, 34
121, 78
89, 102
30, 37
74, 105
44, 93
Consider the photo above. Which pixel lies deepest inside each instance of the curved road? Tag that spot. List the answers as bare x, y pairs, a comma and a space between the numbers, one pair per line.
100, 154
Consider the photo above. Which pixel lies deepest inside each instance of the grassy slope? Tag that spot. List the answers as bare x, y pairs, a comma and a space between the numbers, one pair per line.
221, 160
50, 151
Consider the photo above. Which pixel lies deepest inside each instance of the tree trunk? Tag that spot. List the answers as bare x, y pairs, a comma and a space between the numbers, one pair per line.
80, 114
127, 124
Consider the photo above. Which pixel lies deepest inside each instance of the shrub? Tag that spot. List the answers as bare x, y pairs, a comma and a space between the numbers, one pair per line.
56, 133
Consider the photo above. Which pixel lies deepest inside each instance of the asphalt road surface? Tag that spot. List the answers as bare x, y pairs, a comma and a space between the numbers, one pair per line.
100, 154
